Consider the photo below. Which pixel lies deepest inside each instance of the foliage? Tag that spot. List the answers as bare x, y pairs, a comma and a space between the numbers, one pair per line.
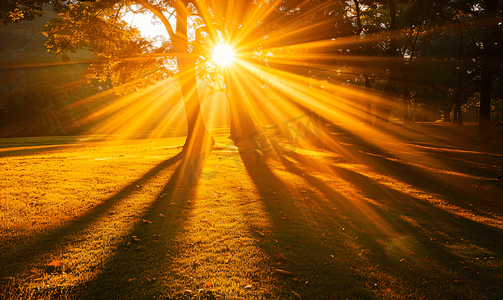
16, 10
121, 55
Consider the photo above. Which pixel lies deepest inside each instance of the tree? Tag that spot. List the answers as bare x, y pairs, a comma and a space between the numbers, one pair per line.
121, 51
17, 10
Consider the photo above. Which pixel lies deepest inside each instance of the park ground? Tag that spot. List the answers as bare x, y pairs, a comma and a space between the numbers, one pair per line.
418, 215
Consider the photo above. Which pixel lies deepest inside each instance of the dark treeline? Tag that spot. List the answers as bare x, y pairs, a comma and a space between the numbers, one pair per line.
36, 89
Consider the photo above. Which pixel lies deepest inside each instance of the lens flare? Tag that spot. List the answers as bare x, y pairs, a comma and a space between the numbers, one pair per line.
223, 55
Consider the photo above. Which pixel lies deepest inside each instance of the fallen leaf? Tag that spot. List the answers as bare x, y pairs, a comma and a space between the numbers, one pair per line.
296, 295
131, 279
162, 216
55, 266
255, 279
135, 238
162, 195
281, 258
207, 285
249, 286
147, 221
138, 248
284, 272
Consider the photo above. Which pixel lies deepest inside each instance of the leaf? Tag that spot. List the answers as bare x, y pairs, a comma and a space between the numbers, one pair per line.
284, 272
162, 216
131, 279
135, 238
296, 295
138, 248
281, 258
207, 285
147, 221
162, 195
55, 266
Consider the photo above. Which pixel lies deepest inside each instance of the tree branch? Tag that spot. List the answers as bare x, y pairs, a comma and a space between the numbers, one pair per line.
158, 13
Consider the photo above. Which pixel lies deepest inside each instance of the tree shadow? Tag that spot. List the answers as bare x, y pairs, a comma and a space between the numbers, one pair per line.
365, 242
30, 253
142, 269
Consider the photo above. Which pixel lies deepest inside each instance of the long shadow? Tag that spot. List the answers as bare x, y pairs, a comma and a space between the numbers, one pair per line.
414, 175
142, 270
433, 249
35, 150
25, 255
300, 241
393, 201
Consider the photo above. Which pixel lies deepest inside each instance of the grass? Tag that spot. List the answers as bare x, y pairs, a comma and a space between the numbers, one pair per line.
417, 216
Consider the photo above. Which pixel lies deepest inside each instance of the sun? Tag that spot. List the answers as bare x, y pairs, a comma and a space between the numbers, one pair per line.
223, 55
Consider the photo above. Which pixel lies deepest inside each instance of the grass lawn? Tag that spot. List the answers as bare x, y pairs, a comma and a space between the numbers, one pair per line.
418, 215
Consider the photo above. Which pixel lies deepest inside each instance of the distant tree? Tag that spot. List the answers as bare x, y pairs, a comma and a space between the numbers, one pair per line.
18, 10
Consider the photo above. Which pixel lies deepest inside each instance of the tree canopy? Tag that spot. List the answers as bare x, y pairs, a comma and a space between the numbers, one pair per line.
431, 57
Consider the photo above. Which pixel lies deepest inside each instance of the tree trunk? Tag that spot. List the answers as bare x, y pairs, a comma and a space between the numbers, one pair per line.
368, 101
198, 138
456, 103
486, 84
199, 141
368, 88
487, 75
447, 111
242, 127
406, 105
385, 103
458, 99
